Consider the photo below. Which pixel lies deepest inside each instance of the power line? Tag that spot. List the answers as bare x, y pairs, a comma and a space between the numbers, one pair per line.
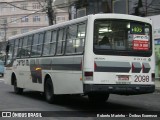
40, 3
24, 16
17, 6
41, 10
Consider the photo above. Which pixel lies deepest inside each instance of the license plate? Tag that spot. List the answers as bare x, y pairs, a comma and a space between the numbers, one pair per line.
123, 78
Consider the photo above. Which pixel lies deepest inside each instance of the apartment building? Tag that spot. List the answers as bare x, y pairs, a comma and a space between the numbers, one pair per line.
20, 16
64, 10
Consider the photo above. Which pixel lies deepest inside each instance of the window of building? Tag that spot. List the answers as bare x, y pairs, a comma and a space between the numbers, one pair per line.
36, 6
24, 30
13, 8
46, 18
24, 6
81, 12
13, 20
14, 32
25, 19
36, 19
3, 7
3, 20
2, 33
60, 18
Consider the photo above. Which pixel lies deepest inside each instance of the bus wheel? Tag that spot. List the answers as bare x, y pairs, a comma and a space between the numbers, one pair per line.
98, 97
17, 90
48, 91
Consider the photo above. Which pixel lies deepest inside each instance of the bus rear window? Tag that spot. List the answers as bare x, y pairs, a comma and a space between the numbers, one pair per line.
122, 37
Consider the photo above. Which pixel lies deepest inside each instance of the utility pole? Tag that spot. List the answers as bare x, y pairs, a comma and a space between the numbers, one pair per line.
5, 41
4, 29
50, 11
3, 53
5, 32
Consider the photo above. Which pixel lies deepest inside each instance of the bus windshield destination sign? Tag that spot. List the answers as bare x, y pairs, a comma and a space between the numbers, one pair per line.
137, 28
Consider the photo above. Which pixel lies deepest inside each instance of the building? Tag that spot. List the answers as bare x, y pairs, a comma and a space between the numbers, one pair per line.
156, 26
64, 10
20, 16
134, 7
61, 11
86, 7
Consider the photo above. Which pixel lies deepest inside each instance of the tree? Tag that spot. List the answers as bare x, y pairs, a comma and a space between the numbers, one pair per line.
50, 12
139, 9
81, 3
46, 7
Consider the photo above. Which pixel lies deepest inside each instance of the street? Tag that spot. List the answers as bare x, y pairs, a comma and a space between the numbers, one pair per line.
34, 101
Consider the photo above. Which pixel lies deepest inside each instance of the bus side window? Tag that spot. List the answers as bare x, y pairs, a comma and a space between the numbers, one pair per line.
60, 42
53, 43
47, 40
20, 48
75, 39
15, 48
81, 38
34, 45
71, 39
40, 44
24, 51
29, 45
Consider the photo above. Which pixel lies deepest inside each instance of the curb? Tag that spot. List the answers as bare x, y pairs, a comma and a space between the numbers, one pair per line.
157, 89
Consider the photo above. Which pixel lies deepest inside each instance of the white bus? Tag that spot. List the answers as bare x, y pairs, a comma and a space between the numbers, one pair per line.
95, 55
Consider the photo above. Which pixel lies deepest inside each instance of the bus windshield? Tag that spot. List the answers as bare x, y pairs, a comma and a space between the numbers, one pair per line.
122, 37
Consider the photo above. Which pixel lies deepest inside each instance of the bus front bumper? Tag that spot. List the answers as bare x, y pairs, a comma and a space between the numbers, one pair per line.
119, 89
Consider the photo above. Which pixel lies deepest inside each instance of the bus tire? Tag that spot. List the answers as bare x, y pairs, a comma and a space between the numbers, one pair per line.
48, 91
17, 90
98, 97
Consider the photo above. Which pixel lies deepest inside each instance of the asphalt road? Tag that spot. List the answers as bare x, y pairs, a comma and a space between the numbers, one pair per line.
34, 101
